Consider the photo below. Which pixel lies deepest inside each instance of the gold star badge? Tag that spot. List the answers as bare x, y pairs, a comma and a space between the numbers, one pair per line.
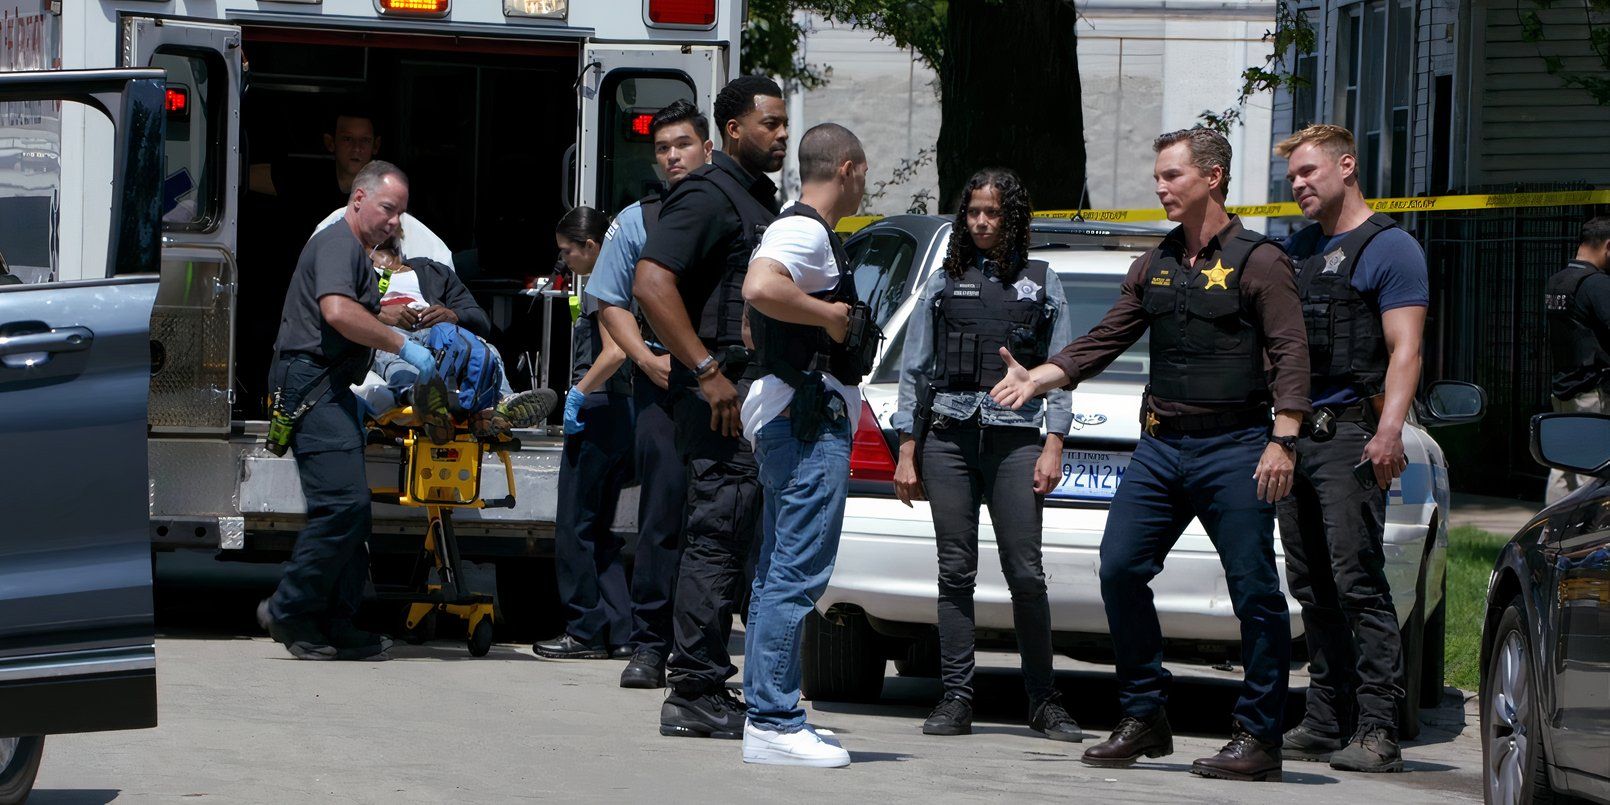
1217, 275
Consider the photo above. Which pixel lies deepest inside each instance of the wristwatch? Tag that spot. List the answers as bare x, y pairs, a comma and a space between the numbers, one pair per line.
704, 366
1288, 442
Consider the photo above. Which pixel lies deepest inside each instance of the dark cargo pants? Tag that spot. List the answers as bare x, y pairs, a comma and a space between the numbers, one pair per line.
724, 507
1331, 529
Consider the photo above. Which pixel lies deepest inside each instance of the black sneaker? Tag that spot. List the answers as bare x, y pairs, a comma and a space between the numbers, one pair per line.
953, 716
646, 671
1052, 721
1302, 743
1374, 749
565, 647
298, 635
718, 714
352, 643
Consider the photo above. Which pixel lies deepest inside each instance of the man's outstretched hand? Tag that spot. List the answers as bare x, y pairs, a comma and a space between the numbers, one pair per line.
1018, 387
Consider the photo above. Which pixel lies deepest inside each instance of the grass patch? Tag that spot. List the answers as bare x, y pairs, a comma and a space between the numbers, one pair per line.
1471, 554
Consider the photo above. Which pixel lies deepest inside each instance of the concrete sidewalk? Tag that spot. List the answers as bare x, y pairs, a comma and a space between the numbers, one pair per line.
1503, 516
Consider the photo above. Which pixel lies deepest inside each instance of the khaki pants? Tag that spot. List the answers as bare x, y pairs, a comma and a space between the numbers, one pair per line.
1564, 483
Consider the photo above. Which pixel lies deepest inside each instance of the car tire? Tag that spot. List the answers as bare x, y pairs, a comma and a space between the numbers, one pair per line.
1413, 641
921, 657
1433, 655
842, 659
1512, 762
17, 777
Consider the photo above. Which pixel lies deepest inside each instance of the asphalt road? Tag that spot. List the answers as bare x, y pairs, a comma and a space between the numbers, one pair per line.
243, 722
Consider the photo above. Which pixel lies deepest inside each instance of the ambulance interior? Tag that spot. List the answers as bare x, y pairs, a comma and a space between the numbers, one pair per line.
486, 131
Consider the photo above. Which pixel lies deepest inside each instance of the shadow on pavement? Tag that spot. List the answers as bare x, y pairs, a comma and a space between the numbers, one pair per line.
878, 757
58, 796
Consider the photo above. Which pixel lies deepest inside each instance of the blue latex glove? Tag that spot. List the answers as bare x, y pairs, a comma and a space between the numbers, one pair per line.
573, 401
420, 358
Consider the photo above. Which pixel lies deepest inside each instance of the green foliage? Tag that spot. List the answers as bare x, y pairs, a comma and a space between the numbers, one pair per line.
772, 36
904, 172
1292, 36
1471, 554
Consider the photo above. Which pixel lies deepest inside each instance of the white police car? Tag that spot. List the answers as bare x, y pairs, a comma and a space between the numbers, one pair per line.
881, 602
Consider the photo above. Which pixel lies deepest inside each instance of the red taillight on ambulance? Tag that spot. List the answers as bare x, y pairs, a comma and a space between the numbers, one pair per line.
870, 459
700, 13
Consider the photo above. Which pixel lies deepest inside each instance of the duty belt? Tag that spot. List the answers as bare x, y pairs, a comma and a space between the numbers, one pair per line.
1320, 425
1186, 424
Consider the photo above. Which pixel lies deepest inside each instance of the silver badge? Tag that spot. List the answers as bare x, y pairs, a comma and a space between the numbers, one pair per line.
1333, 262
1027, 289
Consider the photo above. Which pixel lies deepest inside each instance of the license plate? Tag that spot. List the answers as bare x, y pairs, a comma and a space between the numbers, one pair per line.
1090, 474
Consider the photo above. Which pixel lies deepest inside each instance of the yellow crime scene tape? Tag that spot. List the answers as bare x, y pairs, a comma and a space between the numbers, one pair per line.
1488, 201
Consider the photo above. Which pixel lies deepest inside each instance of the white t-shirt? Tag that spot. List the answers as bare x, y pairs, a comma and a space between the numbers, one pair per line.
404, 290
801, 245
417, 239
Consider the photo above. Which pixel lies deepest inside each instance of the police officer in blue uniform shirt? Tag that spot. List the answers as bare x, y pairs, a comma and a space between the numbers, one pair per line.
1364, 290
594, 466
328, 326
1221, 305
681, 137
989, 296
690, 286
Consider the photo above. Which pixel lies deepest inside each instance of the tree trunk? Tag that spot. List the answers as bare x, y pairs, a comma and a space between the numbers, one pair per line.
1009, 95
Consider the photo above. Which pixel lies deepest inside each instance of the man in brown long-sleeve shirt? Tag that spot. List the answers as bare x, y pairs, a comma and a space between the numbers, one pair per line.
1221, 304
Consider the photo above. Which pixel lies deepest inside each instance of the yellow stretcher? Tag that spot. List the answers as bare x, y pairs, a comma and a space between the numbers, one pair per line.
439, 479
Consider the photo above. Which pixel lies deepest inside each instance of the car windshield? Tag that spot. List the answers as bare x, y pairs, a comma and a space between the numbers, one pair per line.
1089, 297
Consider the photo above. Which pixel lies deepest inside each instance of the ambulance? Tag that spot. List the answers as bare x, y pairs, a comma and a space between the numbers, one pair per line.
505, 113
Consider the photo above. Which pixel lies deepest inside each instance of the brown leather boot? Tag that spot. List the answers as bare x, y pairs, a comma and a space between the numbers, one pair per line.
1131, 739
1244, 758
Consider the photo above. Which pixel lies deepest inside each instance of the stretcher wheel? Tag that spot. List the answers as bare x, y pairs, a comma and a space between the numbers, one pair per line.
481, 638
423, 633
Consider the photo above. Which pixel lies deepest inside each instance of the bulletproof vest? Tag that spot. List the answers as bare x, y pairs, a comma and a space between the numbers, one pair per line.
790, 350
586, 344
1345, 341
1206, 345
1575, 344
649, 206
720, 321
976, 315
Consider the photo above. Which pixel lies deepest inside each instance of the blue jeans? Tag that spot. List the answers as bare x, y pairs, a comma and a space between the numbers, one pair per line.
400, 374
805, 484
1171, 479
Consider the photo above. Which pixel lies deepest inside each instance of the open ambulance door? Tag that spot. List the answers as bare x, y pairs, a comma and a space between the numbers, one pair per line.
193, 322
621, 87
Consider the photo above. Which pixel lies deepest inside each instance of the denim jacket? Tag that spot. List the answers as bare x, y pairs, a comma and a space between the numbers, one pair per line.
917, 371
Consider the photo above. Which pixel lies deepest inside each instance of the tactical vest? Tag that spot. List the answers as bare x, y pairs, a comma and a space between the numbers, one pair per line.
649, 206
791, 351
1345, 341
977, 315
1577, 347
1206, 344
720, 321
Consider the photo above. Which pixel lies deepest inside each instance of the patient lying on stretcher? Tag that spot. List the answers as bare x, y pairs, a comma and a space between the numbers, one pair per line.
418, 294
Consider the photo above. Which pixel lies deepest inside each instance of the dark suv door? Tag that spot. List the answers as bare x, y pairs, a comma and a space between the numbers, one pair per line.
77, 648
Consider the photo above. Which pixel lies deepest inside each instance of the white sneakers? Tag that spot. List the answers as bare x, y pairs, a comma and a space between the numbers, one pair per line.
804, 747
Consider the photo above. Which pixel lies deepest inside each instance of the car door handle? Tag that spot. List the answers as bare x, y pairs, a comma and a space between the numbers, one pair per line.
26, 349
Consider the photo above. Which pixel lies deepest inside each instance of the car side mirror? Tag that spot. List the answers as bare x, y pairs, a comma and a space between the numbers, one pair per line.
1578, 443
1451, 402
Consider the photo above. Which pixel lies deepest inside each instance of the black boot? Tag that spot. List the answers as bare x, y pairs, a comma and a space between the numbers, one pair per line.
1052, 721
1131, 739
1302, 743
1373, 749
565, 647
646, 671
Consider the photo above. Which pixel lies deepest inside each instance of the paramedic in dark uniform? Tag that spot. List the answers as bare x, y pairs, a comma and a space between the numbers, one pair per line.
989, 295
326, 331
681, 135
1577, 303
1221, 305
1364, 289
690, 286
593, 468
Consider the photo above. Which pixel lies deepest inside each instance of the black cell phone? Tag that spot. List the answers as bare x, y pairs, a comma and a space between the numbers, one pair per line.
1364, 473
